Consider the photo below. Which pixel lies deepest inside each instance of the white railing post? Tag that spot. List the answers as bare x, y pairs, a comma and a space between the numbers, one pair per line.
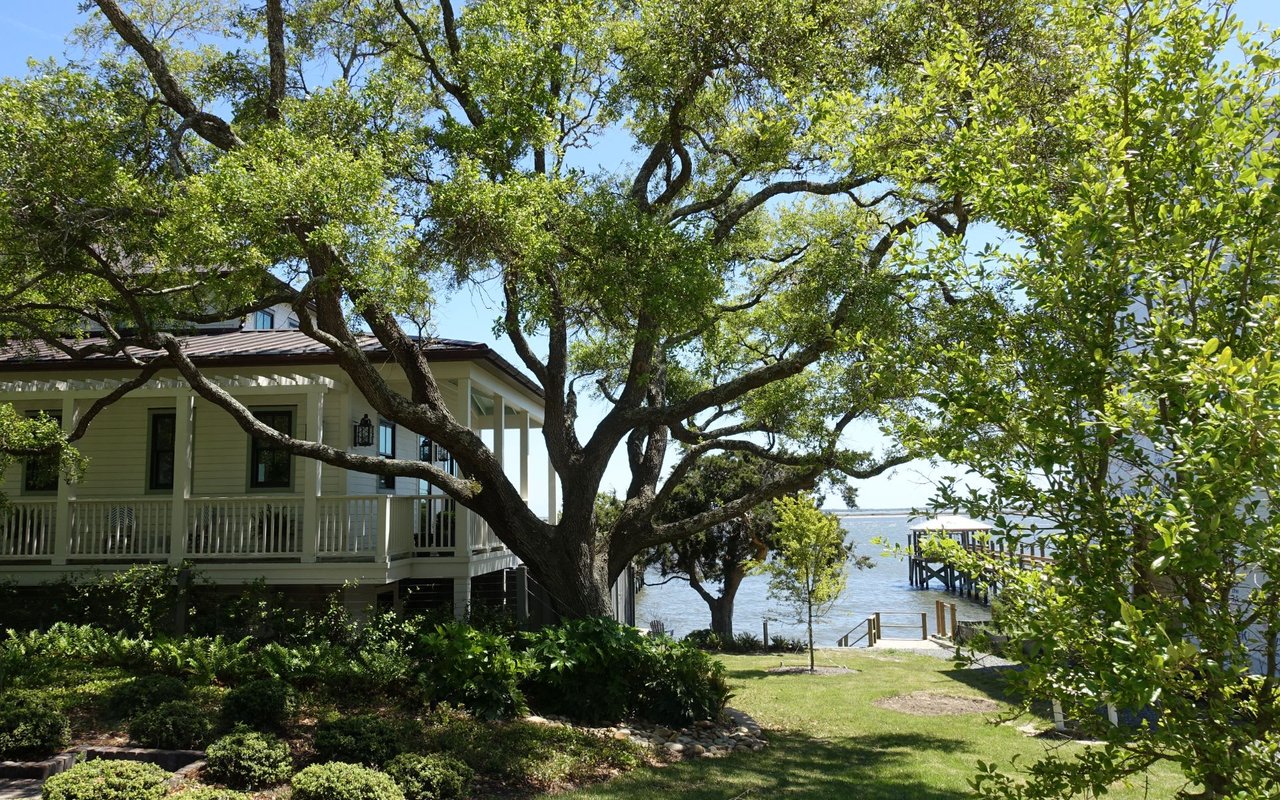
66, 493
462, 531
183, 415
382, 533
311, 478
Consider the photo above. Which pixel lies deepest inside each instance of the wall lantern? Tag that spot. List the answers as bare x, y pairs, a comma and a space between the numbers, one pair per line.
424, 449
362, 434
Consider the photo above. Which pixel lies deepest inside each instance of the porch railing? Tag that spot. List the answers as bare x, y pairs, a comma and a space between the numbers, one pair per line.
275, 527
26, 529
348, 525
133, 527
224, 527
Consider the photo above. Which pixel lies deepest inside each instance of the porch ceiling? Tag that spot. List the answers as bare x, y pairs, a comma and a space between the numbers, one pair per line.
231, 383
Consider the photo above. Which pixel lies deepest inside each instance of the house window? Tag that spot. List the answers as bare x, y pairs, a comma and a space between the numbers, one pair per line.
386, 449
270, 466
264, 321
41, 472
292, 322
160, 446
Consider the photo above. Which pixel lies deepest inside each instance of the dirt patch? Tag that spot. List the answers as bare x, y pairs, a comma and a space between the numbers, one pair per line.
816, 671
930, 704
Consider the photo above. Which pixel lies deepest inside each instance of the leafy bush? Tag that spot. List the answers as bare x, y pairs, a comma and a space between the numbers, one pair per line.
598, 669
143, 693
262, 704
431, 777
176, 725
527, 753
210, 793
365, 739
681, 684
747, 643
247, 759
339, 781
461, 665
705, 639
106, 779
31, 729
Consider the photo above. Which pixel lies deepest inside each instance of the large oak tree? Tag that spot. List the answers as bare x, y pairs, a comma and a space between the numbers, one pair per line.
735, 283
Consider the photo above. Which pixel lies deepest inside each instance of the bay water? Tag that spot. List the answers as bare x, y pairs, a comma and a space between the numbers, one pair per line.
883, 588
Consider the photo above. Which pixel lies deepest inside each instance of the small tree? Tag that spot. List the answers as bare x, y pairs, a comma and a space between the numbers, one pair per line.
722, 554
808, 570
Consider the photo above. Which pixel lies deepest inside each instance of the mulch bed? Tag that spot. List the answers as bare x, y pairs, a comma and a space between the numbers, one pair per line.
931, 704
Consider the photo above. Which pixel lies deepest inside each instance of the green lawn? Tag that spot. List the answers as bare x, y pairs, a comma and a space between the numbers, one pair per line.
828, 741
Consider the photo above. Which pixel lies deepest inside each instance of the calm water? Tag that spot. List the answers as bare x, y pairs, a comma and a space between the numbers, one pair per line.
882, 588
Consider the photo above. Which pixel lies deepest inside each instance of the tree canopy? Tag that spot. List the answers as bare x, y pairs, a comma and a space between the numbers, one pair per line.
746, 282
1119, 385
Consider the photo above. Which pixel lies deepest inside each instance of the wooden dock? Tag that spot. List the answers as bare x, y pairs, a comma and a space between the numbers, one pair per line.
923, 570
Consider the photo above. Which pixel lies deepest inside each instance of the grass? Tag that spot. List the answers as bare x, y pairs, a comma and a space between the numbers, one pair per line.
827, 740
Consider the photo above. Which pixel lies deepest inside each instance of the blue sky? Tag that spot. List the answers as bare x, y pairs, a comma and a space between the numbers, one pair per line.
38, 29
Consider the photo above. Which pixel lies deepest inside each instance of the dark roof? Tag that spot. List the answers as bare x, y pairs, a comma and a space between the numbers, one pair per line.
248, 349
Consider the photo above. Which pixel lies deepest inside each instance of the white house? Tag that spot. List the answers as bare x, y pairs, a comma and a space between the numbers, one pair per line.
172, 478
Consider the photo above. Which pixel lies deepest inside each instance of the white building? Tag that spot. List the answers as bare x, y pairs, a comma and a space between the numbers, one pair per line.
172, 478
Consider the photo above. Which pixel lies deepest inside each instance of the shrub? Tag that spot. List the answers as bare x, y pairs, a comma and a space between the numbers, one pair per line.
598, 669
431, 777
261, 704
209, 793
176, 725
339, 781
786, 645
705, 639
681, 684
747, 643
144, 693
105, 779
247, 759
461, 665
31, 729
364, 739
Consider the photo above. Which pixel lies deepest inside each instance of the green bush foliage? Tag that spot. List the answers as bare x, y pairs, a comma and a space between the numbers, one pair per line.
31, 729
365, 739
210, 793
461, 665
342, 781
246, 759
176, 725
262, 704
143, 693
108, 780
598, 669
430, 777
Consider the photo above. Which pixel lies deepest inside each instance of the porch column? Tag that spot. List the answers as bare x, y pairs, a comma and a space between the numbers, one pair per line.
499, 452
311, 477
553, 504
184, 408
500, 430
66, 493
524, 456
461, 596
464, 526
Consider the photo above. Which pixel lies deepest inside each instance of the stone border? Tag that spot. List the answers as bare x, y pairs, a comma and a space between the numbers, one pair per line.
182, 763
738, 732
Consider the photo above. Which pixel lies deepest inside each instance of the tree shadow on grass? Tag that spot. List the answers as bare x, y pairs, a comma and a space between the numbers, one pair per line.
872, 767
